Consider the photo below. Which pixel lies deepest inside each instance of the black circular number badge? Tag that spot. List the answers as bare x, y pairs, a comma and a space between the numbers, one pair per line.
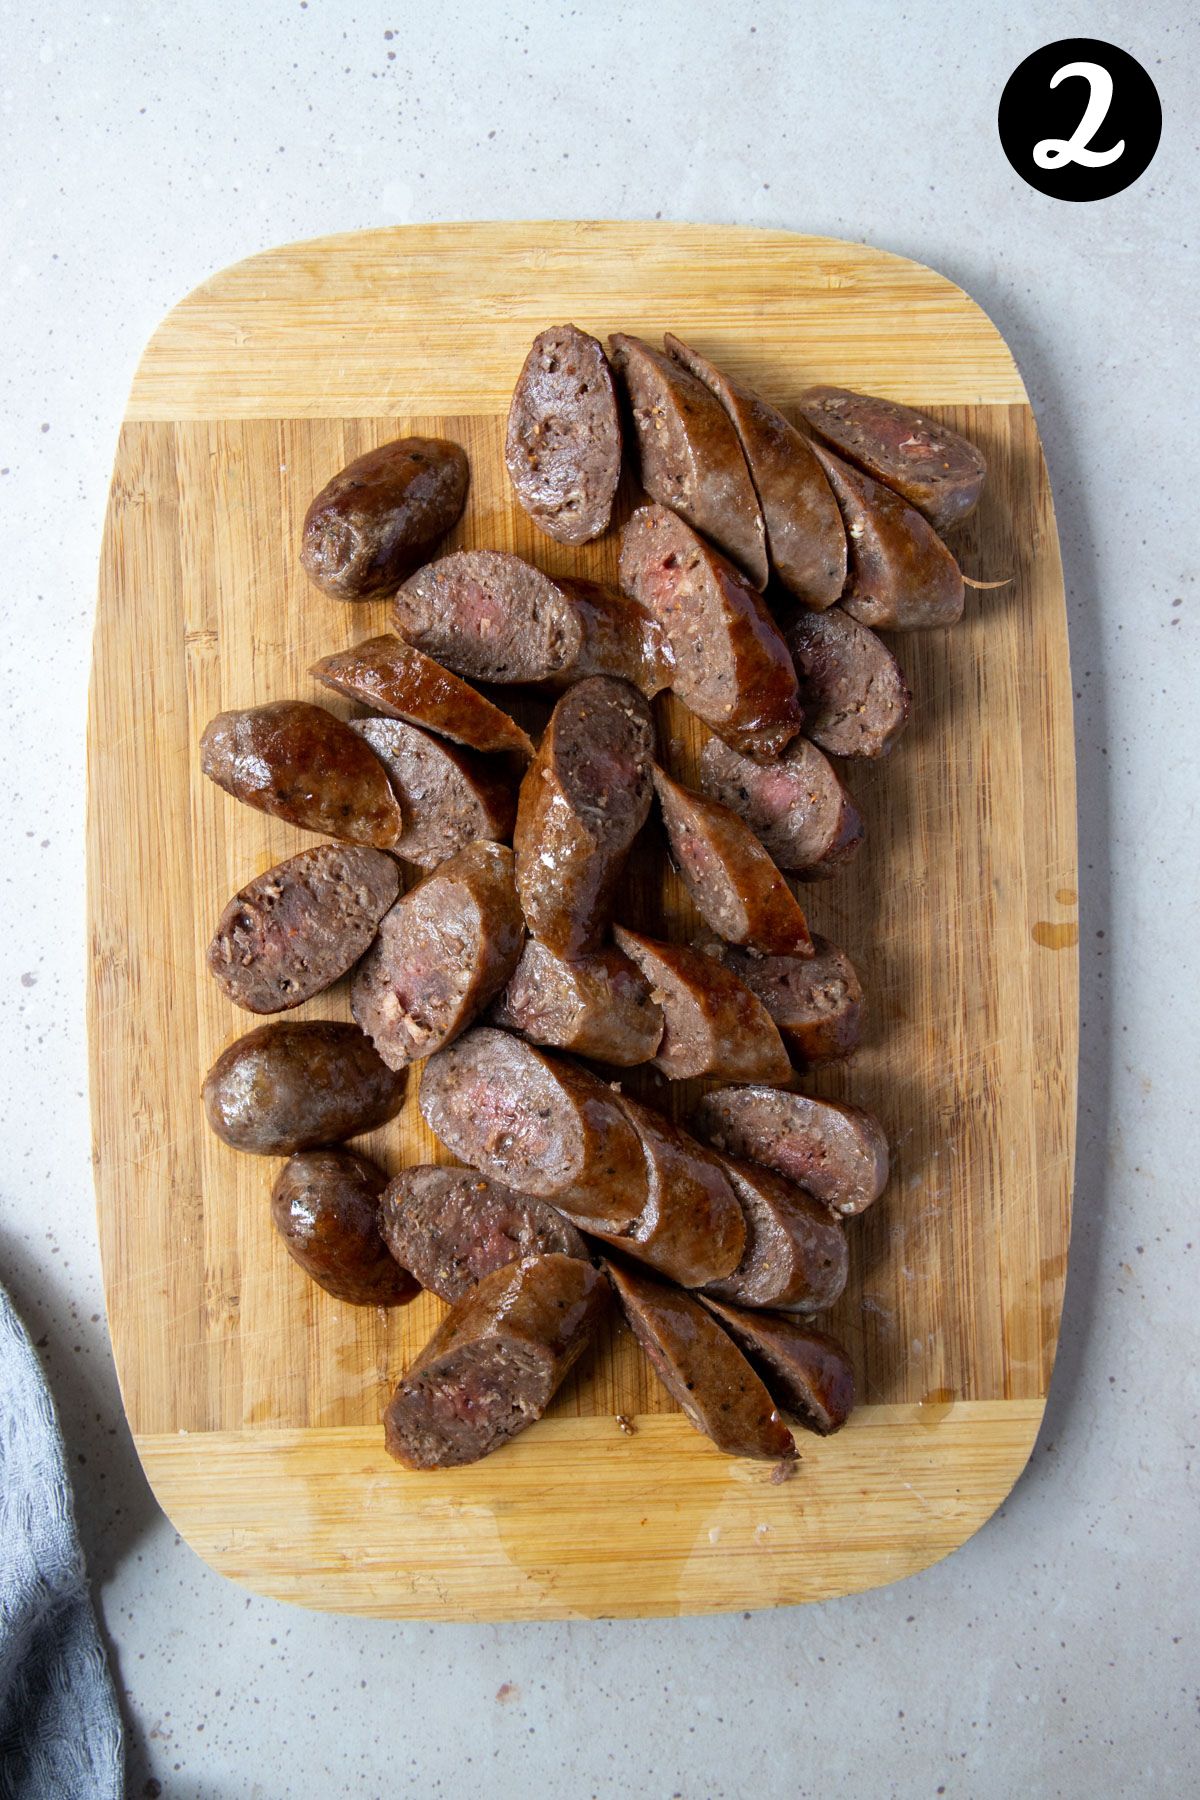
1080, 119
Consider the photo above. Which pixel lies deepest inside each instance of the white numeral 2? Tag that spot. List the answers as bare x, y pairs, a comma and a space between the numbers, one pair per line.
1053, 153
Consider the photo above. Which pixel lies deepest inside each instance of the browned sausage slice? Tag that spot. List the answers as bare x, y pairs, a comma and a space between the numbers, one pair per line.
852, 689
489, 616
713, 1025
536, 1123
495, 1362
808, 1374
737, 889
597, 1005
838, 1153
325, 1207
795, 1257
298, 1085
563, 441
816, 1001
382, 515
449, 798
391, 677
689, 453
732, 667
443, 952
796, 806
585, 797
806, 539
301, 764
902, 577
692, 1228
294, 931
702, 1368
935, 469
452, 1227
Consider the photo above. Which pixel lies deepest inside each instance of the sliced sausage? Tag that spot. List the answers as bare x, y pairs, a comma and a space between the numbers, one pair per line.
325, 1207
536, 1123
692, 1228
795, 1256
597, 1005
382, 515
731, 666
490, 616
702, 1368
452, 1227
796, 807
689, 454
806, 540
585, 797
808, 1374
852, 689
294, 931
902, 577
562, 446
299, 763
816, 1001
838, 1153
712, 1023
389, 676
935, 469
495, 1362
443, 953
736, 887
297, 1085
448, 797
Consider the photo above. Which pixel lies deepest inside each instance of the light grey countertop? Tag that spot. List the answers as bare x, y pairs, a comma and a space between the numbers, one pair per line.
146, 147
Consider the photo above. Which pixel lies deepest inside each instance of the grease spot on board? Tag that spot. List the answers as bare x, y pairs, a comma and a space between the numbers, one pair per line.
936, 1404
1066, 896
1055, 937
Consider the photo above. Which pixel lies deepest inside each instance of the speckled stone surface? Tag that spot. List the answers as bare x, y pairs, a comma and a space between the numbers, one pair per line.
145, 147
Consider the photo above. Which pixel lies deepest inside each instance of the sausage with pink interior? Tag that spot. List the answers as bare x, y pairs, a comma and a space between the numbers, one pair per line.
808, 1373
935, 469
712, 1023
597, 1005
449, 797
797, 806
816, 1001
838, 1153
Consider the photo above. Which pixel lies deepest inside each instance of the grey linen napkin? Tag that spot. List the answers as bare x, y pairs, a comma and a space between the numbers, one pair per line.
60, 1733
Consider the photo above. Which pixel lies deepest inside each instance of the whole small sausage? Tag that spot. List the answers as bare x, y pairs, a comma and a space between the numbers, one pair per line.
382, 515
562, 446
293, 932
597, 1006
689, 453
731, 666
838, 1153
452, 1227
702, 1368
902, 577
392, 678
298, 1085
736, 887
536, 1123
797, 806
692, 1228
806, 540
852, 689
299, 763
448, 797
495, 1362
585, 797
443, 952
325, 1207
816, 1001
492, 617
712, 1023
808, 1374
935, 469
795, 1256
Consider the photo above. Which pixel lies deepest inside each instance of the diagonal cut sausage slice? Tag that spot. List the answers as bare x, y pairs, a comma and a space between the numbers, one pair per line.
449, 797
796, 807
816, 1001
597, 1006
795, 1256
495, 1362
806, 539
935, 469
736, 887
902, 577
392, 678
713, 1024
562, 445
838, 1153
452, 1227
702, 1368
807, 1372
853, 690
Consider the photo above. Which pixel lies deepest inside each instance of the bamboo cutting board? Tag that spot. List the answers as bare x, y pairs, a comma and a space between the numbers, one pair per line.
254, 1397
